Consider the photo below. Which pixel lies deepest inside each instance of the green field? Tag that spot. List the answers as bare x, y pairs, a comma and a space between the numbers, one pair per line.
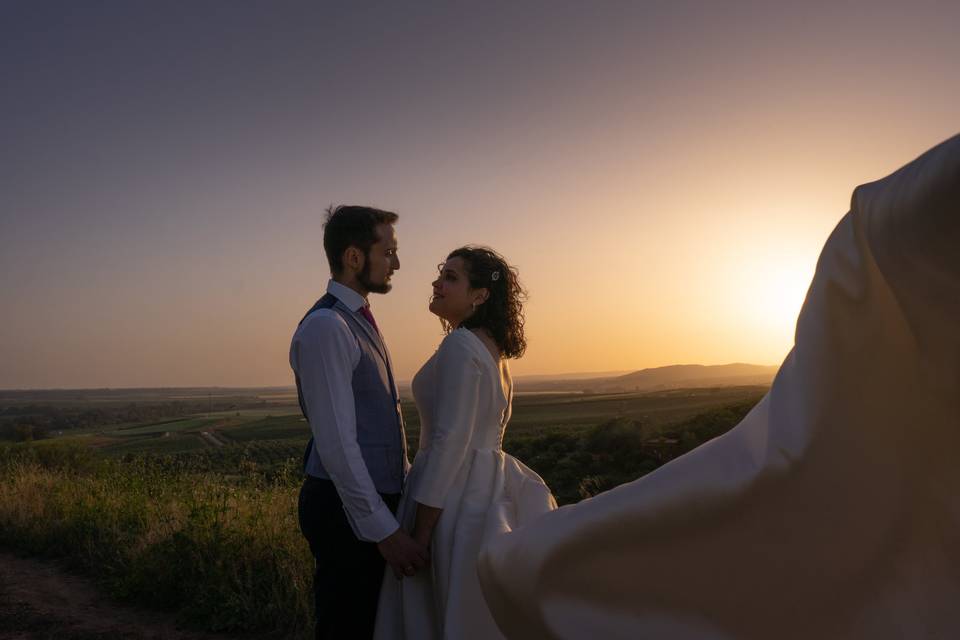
270, 428
533, 413
159, 445
538, 413
160, 428
653, 409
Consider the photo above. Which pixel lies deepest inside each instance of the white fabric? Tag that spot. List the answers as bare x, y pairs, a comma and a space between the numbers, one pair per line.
463, 399
324, 353
833, 509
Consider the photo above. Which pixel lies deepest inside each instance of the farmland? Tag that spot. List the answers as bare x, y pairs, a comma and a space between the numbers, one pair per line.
276, 416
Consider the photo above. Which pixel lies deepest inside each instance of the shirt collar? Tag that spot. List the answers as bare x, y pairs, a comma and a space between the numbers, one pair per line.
353, 300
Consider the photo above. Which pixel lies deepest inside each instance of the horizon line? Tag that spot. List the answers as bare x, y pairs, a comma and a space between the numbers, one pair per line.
567, 375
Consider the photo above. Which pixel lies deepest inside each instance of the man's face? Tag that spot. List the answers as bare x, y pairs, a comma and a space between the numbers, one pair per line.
381, 261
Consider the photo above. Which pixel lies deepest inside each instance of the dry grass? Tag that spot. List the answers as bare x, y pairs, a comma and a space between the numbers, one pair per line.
226, 555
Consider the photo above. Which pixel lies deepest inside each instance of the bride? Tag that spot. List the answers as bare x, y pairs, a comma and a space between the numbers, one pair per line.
462, 489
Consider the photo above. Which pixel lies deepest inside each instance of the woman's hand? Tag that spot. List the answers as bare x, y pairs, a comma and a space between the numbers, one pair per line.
424, 522
422, 537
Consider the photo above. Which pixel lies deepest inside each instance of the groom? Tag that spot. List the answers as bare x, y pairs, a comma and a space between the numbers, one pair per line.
356, 460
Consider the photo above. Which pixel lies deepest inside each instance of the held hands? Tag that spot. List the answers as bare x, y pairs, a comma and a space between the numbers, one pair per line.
405, 555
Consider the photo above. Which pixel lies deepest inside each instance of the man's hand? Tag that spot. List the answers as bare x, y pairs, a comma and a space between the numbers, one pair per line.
405, 555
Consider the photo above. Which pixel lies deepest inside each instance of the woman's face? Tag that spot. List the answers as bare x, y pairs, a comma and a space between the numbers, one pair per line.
453, 299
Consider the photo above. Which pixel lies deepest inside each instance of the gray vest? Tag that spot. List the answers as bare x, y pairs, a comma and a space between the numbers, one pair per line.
376, 402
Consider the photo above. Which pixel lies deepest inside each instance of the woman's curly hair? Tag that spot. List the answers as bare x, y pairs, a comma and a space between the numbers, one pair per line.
502, 312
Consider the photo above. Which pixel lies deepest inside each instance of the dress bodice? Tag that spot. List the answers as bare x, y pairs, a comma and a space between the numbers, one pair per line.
494, 389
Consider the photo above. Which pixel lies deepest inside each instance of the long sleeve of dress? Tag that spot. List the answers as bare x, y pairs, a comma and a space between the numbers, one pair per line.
458, 386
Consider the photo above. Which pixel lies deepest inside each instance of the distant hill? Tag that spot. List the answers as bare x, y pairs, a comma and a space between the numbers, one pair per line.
671, 377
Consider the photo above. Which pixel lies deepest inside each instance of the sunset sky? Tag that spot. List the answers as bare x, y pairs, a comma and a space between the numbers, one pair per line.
663, 174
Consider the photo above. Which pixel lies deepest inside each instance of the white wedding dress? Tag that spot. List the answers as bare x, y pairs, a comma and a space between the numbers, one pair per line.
832, 511
464, 397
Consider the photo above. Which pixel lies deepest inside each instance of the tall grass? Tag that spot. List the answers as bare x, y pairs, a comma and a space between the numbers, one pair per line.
225, 555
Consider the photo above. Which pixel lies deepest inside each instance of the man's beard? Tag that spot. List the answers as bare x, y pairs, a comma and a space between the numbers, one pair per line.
373, 287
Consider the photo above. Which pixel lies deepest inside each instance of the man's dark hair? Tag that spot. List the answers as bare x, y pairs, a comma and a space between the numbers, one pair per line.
351, 226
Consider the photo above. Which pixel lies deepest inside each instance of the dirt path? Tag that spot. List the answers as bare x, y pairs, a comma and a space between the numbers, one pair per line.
39, 600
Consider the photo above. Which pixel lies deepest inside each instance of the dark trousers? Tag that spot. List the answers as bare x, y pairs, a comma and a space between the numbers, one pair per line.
349, 572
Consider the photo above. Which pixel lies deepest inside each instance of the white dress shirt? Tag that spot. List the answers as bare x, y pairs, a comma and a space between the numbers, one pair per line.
324, 353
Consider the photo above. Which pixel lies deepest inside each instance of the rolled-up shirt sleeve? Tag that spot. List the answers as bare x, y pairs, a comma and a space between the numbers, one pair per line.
457, 400
324, 354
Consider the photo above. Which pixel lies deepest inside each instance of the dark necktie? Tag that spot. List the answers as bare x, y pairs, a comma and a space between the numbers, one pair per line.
365, 312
